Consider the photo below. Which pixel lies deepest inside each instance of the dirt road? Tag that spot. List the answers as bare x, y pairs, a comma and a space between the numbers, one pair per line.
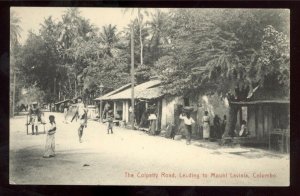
130, 157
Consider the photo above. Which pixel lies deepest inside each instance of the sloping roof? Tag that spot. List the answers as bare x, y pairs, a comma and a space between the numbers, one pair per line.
280, 101
62, 101
139, 91
266, 94
113, 92
150, 93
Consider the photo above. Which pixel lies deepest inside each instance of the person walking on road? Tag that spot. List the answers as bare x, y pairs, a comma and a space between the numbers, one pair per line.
81, 113
50, 140
66, 109
188, 121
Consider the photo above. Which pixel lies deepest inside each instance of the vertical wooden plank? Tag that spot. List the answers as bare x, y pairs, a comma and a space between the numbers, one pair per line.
260, 124
158, 115
115, 107
163, 113
270, 118
123, 110
266, 113
126, 111
251, 124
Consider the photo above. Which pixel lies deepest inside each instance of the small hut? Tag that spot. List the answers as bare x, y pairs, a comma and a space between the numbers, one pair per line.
268, 120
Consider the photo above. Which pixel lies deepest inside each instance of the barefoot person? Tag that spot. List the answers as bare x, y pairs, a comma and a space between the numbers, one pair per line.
50, 141
35, 117
81, 113
66, 109
188, 121
206, 126
110, 120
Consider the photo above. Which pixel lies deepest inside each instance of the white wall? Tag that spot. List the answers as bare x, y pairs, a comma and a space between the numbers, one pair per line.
168, 110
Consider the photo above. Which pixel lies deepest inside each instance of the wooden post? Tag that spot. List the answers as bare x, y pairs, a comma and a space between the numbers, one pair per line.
100, 111
126, 111
59, 91
132, 78
54, 88
158, 116
146, 105
123, 111
115, 107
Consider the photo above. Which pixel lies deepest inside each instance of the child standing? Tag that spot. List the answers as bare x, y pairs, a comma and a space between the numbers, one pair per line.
110, 120
50, 141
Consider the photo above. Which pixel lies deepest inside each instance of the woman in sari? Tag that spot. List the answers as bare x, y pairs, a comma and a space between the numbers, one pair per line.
206, 125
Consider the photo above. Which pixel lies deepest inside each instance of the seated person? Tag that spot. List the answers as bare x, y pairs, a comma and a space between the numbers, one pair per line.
243, 132
118, 116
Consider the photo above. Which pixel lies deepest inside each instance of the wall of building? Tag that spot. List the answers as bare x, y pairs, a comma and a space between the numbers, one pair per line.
213, 104
264, 118
168, 108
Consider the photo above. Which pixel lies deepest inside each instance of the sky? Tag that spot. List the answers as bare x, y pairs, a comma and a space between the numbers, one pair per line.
32, 17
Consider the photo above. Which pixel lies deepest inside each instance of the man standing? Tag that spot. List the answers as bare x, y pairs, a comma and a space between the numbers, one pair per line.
35, 117
81, 113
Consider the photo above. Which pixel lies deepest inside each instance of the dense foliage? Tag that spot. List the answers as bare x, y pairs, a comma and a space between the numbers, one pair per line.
190, 50
220, 50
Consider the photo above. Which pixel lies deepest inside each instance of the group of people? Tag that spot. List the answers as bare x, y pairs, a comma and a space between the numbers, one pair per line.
80, 113
218, 126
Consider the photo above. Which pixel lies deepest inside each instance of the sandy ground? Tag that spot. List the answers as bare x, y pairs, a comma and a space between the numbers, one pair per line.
130, 157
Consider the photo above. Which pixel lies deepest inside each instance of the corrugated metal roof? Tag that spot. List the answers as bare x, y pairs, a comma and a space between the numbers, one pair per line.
139, 91
62, 101
150, 93
261, 102
113, 92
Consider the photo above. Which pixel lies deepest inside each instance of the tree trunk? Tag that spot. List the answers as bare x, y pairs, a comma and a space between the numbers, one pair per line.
14, 94
54, 88
140, 29
59, 91
70, 86
132, 78
232, 119
75, 86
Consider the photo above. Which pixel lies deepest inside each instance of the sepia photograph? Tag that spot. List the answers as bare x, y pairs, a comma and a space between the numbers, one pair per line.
149, 96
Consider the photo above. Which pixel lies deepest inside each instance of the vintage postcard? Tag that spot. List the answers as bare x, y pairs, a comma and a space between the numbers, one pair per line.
149, 96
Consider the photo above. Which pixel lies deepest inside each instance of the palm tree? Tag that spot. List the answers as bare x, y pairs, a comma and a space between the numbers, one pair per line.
109, 38
157, 26
15, 30
139, 15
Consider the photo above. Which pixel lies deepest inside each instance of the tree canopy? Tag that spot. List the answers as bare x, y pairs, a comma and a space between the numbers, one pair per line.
190, 50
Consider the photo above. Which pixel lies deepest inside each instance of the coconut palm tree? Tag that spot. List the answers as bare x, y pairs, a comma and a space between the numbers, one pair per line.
157, 28
138, 14
109, 38
15, 31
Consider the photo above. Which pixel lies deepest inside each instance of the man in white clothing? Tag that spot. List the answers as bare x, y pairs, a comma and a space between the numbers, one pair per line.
188, 121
